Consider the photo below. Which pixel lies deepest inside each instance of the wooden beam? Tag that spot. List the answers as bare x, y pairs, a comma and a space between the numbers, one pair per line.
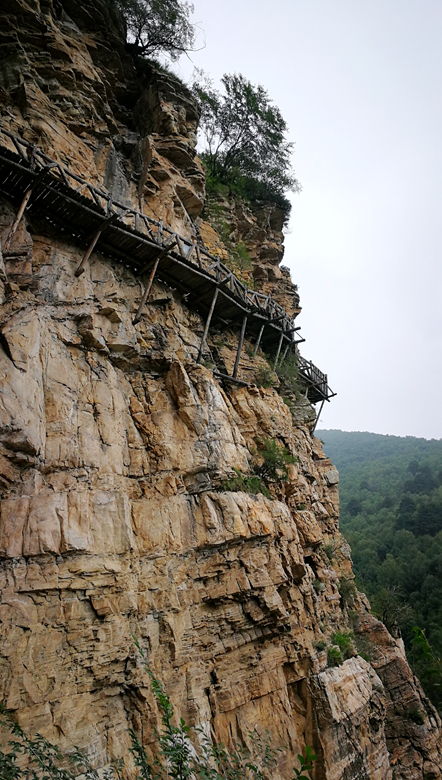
240, 343
231, 379
148, 288
258, 341
207, 325
280, 317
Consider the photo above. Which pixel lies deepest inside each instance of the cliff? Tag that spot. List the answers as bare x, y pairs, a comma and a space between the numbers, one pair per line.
116, 445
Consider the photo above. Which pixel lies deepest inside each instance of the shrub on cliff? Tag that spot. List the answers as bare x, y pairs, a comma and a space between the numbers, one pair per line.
273, 460
245, 143
158, 26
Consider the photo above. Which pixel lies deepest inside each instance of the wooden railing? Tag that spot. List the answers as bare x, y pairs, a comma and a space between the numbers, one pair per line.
27, 160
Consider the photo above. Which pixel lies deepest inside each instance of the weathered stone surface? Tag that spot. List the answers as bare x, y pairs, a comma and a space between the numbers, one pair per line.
115, 448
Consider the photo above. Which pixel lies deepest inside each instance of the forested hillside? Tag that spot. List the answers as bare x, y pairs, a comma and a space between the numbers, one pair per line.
391, 513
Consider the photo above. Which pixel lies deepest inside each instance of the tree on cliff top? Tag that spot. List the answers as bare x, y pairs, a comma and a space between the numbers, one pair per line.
245, 138
159, 26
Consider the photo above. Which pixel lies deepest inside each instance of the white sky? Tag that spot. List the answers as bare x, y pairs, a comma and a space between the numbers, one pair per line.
359, 83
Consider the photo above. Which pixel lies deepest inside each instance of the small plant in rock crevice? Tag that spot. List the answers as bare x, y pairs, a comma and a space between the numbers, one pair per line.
318, 586
329, 550
246, 484
334, 656
344, 640
272, 461
347, 591
265, 377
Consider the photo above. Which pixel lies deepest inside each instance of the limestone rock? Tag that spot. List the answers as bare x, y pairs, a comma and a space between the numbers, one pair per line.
118, 455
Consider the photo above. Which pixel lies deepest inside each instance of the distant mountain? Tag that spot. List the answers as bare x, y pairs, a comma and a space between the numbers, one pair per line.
391, 513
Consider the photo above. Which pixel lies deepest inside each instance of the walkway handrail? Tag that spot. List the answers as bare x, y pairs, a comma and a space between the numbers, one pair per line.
154, 229
157, 237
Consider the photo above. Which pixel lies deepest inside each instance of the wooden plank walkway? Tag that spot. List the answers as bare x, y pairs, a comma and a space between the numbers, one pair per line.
88, 214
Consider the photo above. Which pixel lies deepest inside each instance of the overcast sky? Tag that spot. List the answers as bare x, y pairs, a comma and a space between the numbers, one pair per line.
359, 83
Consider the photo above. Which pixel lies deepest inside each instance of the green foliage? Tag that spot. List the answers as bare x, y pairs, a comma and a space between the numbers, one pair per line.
365, 647
288, 374
158, 26
305, 764
274, 461
245, 143
329, 550
265, 377
44, 760
390, 606
246, 484
239, 259
289, 402
318, 586
347, 591
344, 640
270, 465
416, 715
391, 499
321, 645
177, 757
334, 656
428, 666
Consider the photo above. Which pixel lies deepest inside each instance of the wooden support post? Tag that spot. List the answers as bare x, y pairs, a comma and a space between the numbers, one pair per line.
81, 268
279, 350
160, 232
240, 343
198, 256
284, 354
24, 203
207, 326
147, 290
146, 293
181, 246
318, 416
259, 337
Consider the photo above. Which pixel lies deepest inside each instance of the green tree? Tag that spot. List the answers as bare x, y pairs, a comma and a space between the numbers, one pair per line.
244, 136
159, 26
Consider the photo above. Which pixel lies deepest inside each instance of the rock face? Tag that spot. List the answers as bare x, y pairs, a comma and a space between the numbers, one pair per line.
115, 448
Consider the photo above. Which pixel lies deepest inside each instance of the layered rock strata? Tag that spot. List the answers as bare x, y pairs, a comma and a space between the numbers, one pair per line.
115, 448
